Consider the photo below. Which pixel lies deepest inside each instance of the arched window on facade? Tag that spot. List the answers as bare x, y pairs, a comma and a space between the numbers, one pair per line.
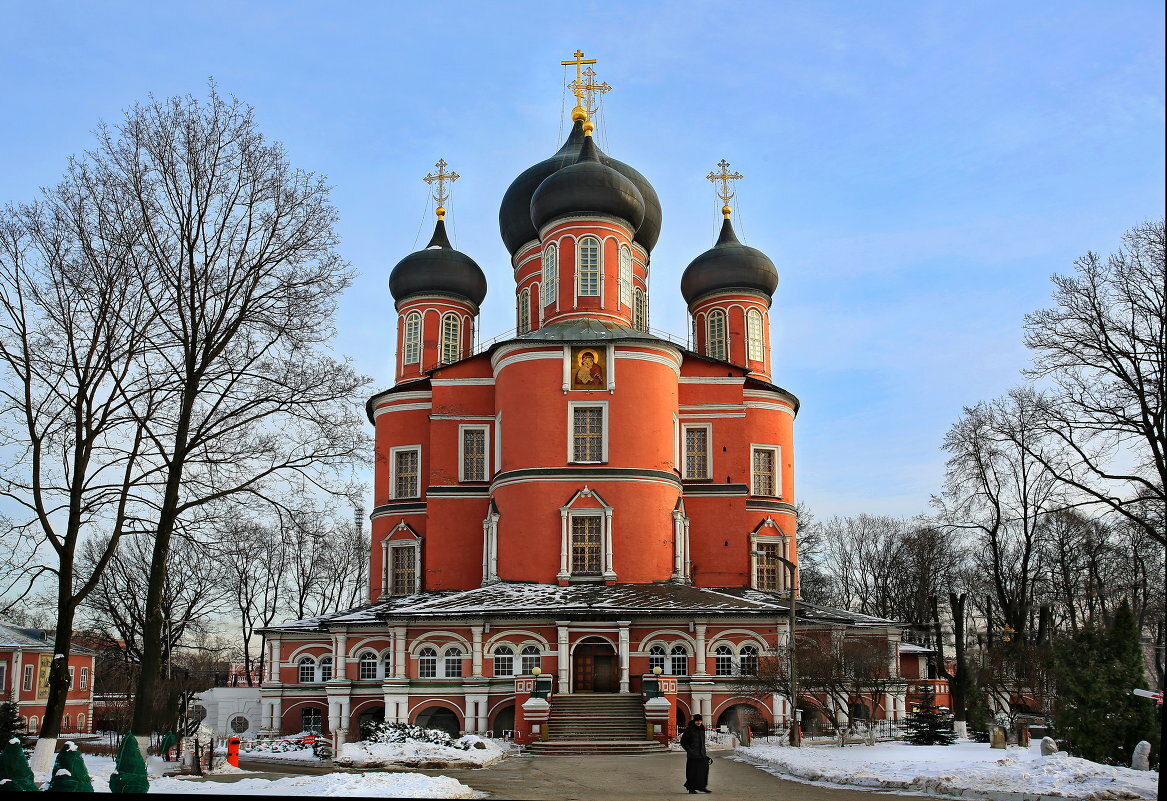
81, 724
524, 324
67, 723
587, 268
427, 663
531, 659
307, 668
326, 668
504, 661
367, 666
715, 334
639, 310
412, 338
723, 661
451, 338
679, 656
625, 279
656, 658
453, 662
549, 286
755, 351
748, 660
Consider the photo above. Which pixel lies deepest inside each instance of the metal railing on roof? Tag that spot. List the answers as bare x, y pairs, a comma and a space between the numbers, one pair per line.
513, 333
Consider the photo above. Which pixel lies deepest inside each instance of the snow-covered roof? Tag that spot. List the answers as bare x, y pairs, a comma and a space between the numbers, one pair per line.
546, 600
26, 639
912, 648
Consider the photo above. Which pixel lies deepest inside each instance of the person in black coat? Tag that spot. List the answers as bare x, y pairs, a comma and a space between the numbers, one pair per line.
696, 762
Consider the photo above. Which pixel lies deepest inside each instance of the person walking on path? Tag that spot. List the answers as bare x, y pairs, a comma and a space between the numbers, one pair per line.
696, 760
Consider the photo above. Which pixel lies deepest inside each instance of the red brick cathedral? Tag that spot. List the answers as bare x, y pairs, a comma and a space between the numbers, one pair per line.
584, 520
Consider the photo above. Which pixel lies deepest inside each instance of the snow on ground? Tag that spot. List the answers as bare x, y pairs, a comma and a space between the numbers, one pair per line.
972, 770
482, 752
375, 785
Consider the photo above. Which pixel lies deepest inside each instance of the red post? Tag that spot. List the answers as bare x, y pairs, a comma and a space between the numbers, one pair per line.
233, 751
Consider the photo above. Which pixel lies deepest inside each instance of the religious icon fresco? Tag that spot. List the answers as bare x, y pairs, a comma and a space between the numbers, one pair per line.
588, 368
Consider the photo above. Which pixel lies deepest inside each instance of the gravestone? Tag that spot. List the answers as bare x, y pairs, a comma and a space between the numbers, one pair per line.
1142, 757
998, 737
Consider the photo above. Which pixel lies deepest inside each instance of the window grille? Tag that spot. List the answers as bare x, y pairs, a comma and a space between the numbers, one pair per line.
474, 454
625, 277
723, 661
767, 572
504, 661
412, 338
679, 657
639, 311
427, 663
239, 724
311, 719
524, 324
764, 472
531, 659
367, 665
549, 287
307, 668
404, 570
326, 668
715, 339
453, 662
451, 338
587, 434
406, 474
748, 660
754, 336
656, 658
696, 453
588, 269
586, 542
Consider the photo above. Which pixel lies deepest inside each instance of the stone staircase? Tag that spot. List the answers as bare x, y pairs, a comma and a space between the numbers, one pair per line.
596, 723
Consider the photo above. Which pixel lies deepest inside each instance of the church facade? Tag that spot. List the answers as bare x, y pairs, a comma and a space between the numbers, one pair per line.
584, 509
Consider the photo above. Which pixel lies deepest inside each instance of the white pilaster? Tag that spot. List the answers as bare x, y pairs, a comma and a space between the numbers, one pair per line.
400, 663
563, 659
624, 685
700, 661
476, 651
564, 553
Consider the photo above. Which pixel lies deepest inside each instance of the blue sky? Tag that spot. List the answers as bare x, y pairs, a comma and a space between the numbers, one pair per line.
916, 170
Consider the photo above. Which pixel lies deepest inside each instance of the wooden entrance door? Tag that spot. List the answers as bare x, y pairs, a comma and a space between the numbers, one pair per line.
593, 668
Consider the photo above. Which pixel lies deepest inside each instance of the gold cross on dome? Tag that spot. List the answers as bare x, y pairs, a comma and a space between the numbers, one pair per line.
441, 178
724, 178
589, 89
576, 86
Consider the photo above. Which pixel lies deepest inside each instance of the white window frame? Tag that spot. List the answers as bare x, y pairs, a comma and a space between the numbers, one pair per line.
411, 352
509, 655
723, 341
732, 656
683, 656
777, 449
326, 661
755, 325
571, 407
579, 270
524, 316
393, 471
72, 674
84, 679
549, 289
781, 543
658, 656
449, 351
29, 677
624, 279
3, 677
305, 663
530, 657
362, 662
486, 473
639, 310
708, 428
741, 656
452, 652
429, 652
390, 579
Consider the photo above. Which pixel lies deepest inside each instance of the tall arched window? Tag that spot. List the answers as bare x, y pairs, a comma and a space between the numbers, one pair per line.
639, 311
748, 660
307, 668
427, 663
453, 662
754, 335
549, 288
326, 668
530, 659
656, 658
412, 338
524, 312
715, 334
451, 338
504, 661
723, 661
587, 267
367, 666
625, 281
679, 656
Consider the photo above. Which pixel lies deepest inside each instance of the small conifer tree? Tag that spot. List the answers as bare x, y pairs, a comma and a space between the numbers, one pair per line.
69, 772
129, 775
928, 725
11, 723
15, 774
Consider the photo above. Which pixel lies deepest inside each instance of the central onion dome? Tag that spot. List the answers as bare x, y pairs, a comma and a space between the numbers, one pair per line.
729, 265
438, 269
587, 187
514, 215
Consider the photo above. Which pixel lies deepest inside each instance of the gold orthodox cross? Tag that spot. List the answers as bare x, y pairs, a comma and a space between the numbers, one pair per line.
589, 89
441, 178
576, 86
724, 178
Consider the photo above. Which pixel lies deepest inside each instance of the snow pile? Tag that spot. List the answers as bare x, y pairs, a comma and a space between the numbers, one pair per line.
466, 752
968, 769
290, 748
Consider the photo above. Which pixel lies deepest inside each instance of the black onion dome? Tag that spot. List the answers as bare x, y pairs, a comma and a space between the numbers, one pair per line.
728, 265
587, 187
514, 215
438, 268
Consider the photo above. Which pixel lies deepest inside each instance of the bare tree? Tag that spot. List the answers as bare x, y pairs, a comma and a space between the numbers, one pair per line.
73, 323
1104, 345
253, 559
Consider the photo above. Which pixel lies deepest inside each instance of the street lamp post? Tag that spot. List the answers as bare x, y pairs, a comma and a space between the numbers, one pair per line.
792, 569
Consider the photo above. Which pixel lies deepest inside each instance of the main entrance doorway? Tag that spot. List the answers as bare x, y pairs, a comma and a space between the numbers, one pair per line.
593, 667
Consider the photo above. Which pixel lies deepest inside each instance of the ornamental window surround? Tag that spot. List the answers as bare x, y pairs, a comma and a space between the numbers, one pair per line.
451, 347
549, 286
587, 268
639, 310
765, 470
405, 464
697, 443
769, 573
715, 335
473, 447
586, 546
402, 565
587, 432
624, 281
412, 354
754, 350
